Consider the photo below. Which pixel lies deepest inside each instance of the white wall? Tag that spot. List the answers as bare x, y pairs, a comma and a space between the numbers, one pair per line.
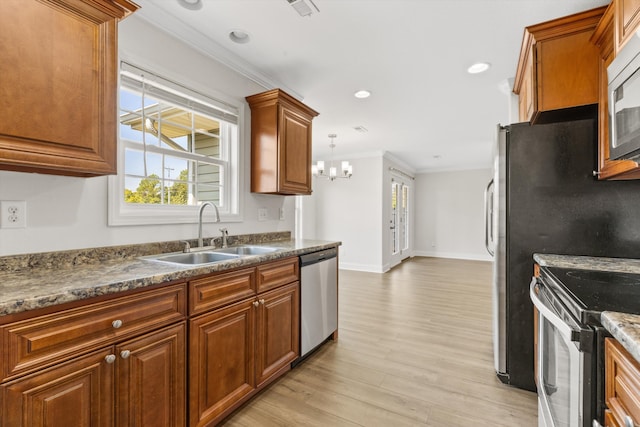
450, 214
350, 210
71, 213
446, 214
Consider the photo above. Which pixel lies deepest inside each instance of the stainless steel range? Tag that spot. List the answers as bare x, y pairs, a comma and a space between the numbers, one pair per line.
570, 337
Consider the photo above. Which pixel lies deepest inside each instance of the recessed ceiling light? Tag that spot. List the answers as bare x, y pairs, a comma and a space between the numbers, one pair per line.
362, 94
239, 36
191, 4
478, 67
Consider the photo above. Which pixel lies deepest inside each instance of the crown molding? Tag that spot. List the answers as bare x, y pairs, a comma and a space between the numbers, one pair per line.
164, 21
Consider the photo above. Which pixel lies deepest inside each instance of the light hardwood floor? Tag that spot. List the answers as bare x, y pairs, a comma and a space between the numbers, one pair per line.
414, 349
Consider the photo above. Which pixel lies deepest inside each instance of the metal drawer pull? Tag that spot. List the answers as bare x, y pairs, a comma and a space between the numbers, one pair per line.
256, 303
116, 323
125, 354
262, 301
110, 358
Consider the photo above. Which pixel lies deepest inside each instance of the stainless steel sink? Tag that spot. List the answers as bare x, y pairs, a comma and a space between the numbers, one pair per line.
247, 250
211, 255
193, 258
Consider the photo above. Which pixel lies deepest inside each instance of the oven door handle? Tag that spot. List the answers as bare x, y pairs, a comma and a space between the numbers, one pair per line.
548, 314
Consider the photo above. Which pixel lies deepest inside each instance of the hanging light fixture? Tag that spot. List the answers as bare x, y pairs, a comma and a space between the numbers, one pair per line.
319, 169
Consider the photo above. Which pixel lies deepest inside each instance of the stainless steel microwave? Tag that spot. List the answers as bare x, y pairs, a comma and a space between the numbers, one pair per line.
623, 75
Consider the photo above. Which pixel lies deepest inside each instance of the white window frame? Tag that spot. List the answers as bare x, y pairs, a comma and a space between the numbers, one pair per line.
121, 213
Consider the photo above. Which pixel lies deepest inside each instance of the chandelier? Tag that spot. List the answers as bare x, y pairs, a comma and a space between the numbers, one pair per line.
319, 169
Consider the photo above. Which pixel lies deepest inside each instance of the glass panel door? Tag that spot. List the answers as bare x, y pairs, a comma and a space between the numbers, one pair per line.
399, 221
395, 218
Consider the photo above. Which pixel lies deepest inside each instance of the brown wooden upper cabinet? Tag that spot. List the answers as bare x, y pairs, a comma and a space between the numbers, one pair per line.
627, 15
58, 62
280, 144
557, 74
605, 37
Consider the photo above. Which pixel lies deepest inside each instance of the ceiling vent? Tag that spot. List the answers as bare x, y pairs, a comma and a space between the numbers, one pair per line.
302, 6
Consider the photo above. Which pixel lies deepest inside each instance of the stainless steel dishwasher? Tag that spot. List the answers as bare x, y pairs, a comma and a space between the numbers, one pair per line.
318, 298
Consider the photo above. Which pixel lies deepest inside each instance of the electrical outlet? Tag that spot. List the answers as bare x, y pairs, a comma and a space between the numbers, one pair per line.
263, 214
13, 214
281, 214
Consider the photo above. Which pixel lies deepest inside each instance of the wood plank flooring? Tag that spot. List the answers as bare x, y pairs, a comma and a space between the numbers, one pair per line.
414, 349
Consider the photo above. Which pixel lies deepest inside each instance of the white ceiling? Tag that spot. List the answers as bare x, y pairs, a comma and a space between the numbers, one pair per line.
426, 110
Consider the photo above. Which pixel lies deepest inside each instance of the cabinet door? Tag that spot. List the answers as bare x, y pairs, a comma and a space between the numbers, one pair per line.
627, 20
78, 393
151, 377
59, 85
566, 71
278, 331
295, 153
221, 361
622, 384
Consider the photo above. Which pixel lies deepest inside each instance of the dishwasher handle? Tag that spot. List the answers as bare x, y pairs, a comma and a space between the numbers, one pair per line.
319, 256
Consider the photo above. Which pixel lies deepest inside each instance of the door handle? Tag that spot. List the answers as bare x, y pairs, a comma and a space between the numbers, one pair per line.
488, 217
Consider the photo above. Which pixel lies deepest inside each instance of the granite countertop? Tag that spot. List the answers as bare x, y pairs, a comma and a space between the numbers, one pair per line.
624, 327
33, 281
619, 265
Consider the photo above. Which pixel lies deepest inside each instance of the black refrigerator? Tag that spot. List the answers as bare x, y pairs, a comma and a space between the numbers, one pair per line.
544, 198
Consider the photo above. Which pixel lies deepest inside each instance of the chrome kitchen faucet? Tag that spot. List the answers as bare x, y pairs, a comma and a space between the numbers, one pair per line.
205, 204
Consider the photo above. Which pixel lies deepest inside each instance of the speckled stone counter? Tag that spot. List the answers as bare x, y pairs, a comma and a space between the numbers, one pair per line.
33, 281
624, 327
620, 265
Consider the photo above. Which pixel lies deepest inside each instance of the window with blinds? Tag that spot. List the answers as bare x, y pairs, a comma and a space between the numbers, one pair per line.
176, 142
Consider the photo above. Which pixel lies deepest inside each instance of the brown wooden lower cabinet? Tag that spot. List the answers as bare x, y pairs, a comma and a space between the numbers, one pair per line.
78, 393
151, 379
236, 350
149, 387
123, 361
622, 386
277, 331
221, 360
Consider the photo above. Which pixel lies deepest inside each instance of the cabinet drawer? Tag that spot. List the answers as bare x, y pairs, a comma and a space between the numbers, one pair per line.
622, 383
44, 340
221, 289
278, 273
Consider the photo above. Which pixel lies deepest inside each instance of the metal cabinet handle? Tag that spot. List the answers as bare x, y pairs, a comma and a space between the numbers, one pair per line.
125, 354
110, 358
628, 421
262, 301
116, 323
256, 303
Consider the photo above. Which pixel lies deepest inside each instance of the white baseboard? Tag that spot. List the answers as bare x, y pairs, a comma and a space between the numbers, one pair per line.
370, 268
454, 255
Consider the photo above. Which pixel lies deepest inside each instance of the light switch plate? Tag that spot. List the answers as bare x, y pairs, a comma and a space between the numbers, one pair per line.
13, 214
263, 214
